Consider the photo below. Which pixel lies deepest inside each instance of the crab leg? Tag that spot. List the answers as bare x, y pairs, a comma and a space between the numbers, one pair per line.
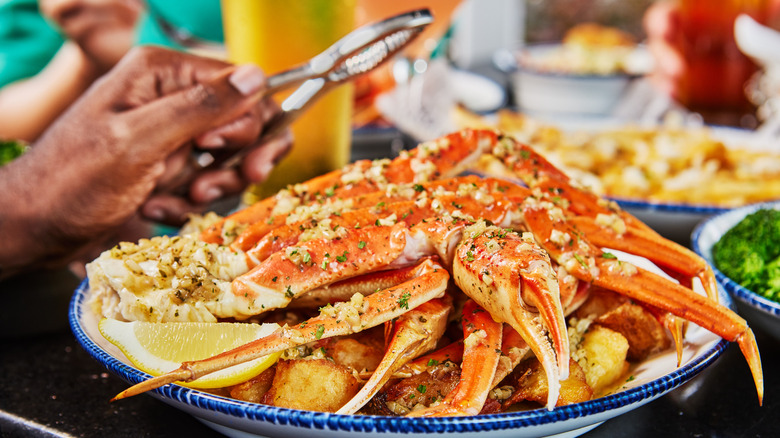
481, 353
585, 210
538, 173
683, 302
511, 277
451, 352
414, 333
650, 245
343, 319
337, 226
287, 199
364, 284
409, 212
513, 350
588, 263
337, 205
319, 262
437, 159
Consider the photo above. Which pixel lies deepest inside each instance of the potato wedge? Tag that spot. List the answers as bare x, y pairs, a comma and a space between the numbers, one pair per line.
255, 388
311, 384
532, 385
602, 355
645, 335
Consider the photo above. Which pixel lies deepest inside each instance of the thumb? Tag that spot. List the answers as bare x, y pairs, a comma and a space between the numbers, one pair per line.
176, 118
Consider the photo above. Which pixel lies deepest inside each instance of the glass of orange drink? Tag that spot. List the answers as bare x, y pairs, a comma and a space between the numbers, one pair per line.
277, 35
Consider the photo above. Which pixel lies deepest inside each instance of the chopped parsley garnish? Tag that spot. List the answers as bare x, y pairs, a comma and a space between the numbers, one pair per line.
320, 331
404, 300
581, 261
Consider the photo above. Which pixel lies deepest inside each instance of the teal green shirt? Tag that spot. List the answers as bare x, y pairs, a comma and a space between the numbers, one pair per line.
27, 40
200, 18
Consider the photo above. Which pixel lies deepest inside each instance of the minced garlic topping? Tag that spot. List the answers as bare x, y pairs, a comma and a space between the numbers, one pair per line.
613, 221
165, 278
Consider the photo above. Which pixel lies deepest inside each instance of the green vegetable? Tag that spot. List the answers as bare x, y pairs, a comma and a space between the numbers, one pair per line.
10, 150
749, 253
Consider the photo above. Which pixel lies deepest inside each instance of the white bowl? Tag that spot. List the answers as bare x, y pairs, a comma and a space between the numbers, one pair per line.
757, 310
557, 93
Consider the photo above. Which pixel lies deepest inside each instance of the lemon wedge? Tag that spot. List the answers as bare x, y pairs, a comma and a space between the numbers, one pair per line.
157, 348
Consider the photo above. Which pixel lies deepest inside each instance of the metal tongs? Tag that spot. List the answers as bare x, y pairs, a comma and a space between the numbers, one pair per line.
357, 53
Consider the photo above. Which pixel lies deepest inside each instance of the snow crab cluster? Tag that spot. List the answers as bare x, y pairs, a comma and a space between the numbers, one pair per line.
387, 241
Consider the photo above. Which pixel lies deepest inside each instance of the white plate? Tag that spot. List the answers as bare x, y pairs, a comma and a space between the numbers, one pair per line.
652, 378
758, 310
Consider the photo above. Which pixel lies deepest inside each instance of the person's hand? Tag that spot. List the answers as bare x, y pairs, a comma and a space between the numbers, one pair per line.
131, 131
103, 29
662, 25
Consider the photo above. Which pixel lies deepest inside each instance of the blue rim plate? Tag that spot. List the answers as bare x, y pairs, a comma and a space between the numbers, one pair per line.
674, 221
755, 308
652, 378
668, 207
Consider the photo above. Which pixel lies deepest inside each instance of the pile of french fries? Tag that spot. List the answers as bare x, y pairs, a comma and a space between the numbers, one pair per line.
667, 164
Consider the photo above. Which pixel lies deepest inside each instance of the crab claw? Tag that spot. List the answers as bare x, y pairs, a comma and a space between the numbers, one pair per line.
481, 354
343, 319
512, 278
414, 333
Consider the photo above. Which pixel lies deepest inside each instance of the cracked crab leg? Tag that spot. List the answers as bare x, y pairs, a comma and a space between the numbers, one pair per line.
481, 353
414, 333
342, 319
513, 350
451, 352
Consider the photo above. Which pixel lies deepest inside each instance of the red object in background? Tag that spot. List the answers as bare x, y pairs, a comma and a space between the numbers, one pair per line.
716, 70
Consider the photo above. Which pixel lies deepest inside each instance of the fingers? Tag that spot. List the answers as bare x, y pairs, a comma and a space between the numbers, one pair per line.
242, 131
168, 209
258, 164
212, 185
239, 132
216, 184
176, 118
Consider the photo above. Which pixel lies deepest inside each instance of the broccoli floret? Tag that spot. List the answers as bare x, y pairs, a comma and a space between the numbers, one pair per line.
772, 290
749, 253
10, 149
